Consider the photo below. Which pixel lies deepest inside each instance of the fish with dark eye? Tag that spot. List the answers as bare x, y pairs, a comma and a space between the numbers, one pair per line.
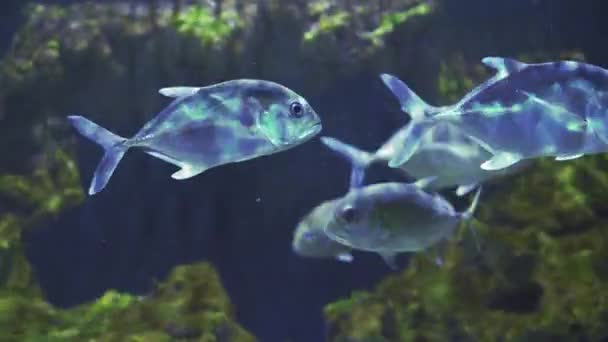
393, 218
445, 152
524, 111
209, 126
309, 239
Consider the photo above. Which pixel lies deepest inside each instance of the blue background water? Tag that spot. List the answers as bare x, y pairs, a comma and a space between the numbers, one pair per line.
145, 223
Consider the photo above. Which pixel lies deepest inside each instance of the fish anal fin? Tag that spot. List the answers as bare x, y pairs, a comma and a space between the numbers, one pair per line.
164, 157
500, 160
186, 172
564, 157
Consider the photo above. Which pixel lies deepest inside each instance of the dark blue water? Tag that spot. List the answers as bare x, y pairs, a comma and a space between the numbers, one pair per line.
144, 223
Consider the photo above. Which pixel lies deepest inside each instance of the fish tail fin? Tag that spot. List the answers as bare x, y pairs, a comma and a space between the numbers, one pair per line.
468, 216
359, 159
112, 144
420, 112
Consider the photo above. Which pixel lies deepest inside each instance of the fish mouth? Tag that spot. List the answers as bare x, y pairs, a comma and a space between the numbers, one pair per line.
335, 236
312, 131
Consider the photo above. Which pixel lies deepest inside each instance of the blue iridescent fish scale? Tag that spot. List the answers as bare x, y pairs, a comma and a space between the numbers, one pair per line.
445, 152
524, 111
530, 112
205, 127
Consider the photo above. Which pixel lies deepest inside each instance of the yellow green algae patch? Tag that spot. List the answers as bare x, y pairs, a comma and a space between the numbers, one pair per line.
189, 305
541, 276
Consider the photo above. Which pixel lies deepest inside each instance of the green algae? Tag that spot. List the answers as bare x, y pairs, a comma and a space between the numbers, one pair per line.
201, 23
189, 305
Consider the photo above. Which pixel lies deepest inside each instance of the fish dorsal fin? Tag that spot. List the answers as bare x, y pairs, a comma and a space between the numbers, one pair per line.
177, 92
504, 66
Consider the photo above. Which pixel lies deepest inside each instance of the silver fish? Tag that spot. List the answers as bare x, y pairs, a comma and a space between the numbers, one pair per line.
445, 152
524, 111
309, 240
209, 126
392, 218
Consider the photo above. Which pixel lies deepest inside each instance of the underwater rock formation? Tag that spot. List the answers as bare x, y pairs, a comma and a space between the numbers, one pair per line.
189, 305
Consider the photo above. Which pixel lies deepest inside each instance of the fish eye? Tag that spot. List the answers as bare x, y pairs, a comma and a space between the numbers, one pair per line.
296, 109
349, 214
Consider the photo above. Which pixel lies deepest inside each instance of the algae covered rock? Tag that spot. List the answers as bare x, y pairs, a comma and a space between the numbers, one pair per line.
189, 305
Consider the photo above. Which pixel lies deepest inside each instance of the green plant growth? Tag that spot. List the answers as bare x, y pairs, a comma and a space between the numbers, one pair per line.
391, 20
53, 187
189, 305
328, 23
199, 21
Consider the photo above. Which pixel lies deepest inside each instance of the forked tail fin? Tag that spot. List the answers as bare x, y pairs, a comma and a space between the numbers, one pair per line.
359, 160
112, 144
420, 112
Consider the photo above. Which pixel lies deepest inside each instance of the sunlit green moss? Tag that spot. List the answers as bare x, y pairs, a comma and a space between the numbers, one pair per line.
391, 20
190, 304
54, 186
327, 23
200, 22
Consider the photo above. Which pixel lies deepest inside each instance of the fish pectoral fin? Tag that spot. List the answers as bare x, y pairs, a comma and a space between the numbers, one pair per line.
176, 92
345, 257
500, 160
390, 259
569, 156
465, 189
424, 182
187, 171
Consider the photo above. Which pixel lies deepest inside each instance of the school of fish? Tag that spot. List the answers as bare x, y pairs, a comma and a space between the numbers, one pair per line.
524, 111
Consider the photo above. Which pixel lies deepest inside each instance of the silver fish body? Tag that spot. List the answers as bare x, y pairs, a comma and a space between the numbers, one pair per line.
445, 152
392, 218
524, 111
309, 239
209, 126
